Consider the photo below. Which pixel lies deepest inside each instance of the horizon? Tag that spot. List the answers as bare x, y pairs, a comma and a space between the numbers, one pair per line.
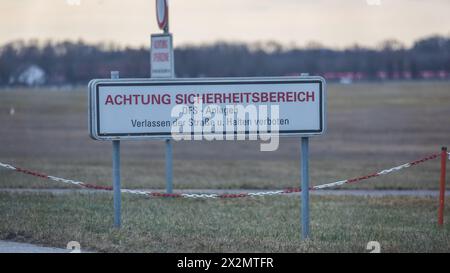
366, 23
308, 45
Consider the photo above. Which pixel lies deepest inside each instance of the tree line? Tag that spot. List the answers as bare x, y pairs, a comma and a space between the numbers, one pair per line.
77, 62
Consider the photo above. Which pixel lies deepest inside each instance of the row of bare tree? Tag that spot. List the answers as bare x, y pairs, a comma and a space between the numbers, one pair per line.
78, 62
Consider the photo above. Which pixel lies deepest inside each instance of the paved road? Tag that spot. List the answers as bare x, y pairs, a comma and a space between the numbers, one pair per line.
372, 193
12, 247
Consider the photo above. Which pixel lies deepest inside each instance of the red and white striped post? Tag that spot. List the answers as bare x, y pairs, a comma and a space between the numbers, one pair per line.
442, 186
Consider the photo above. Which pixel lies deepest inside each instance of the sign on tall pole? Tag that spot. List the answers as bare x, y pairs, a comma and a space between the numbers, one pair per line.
162, 15
161, 51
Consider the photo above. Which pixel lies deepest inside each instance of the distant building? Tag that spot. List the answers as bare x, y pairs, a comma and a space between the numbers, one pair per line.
31, 76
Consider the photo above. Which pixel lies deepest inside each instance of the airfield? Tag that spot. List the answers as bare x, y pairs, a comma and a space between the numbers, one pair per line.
371, 126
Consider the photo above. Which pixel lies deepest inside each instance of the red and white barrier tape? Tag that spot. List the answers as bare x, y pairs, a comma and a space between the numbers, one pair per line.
224, 195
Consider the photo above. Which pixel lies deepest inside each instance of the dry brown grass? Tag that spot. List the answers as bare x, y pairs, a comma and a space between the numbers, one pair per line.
271, 224
371, 127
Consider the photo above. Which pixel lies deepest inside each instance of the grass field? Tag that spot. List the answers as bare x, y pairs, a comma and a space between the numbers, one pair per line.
271, 224
370, 127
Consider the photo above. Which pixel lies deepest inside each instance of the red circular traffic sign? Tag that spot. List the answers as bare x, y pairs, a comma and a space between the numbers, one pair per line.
162, 13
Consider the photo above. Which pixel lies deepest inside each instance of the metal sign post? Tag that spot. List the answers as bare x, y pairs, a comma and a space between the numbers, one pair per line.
116, 172
305, 187
169, 148
169, 164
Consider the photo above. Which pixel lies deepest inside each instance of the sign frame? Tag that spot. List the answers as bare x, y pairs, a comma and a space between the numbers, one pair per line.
93, 95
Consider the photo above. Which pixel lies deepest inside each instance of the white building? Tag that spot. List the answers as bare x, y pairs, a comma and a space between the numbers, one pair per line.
32, 75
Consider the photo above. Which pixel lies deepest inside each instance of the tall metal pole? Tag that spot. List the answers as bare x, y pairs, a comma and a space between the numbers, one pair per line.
116, 173
169, 146
169, 169
305, 187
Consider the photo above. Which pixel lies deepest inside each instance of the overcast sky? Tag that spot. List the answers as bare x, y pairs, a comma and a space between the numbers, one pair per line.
334, 23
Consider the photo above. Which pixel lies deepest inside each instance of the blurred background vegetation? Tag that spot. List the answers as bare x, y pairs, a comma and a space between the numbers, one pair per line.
70, 63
